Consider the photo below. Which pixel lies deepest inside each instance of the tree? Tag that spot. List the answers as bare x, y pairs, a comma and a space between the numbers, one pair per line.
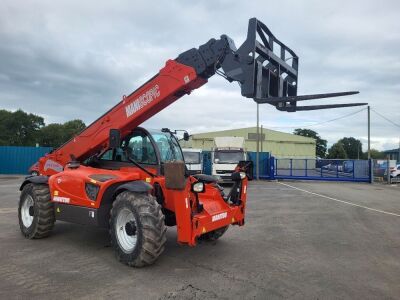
72, 128
337, 151
352, 146
19, 128
54, 135
375, 154
22, 129
51, 135
320, 143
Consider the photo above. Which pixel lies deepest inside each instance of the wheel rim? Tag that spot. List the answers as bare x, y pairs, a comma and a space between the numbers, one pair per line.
27, 211
126, 230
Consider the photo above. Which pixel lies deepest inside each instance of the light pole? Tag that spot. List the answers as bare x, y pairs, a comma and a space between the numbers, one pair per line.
369, 133
398, 154
258, 145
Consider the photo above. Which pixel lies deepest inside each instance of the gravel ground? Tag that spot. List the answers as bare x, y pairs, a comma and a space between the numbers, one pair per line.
301, 240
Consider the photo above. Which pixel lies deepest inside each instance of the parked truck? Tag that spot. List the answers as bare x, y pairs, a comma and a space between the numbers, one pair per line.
193, 160
226, 154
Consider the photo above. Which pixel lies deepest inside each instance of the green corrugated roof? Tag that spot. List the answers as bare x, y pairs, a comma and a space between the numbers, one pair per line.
270, 135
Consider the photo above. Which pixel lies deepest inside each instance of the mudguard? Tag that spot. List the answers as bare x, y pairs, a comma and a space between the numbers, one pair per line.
137, 186
34, 179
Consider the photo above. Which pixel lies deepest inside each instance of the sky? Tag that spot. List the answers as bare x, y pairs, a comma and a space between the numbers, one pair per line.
72, 59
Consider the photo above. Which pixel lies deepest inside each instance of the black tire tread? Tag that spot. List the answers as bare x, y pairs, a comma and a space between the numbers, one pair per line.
153, 227
44, 210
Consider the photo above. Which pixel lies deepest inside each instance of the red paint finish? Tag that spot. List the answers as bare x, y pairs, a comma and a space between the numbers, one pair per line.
69, 187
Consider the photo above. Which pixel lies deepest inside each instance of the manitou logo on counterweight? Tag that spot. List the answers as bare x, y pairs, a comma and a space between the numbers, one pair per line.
142, 101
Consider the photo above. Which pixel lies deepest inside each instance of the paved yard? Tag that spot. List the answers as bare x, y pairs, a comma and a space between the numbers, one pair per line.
301, 240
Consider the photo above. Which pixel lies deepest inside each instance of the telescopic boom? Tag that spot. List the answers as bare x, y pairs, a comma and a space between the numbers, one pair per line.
265, 68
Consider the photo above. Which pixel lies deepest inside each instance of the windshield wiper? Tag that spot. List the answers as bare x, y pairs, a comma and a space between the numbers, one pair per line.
140, 167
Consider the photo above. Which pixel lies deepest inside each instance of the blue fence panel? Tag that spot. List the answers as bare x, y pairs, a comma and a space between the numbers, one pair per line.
264, 163
17, 160
206, 162
322, 169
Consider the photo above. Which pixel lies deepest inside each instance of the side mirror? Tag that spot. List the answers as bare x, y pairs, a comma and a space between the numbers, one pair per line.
114, 138
186, 136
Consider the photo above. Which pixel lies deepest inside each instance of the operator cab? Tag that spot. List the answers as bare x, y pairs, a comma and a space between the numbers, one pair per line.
149, 148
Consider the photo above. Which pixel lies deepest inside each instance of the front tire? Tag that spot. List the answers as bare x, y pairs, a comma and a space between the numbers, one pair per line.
137, 229
36, 211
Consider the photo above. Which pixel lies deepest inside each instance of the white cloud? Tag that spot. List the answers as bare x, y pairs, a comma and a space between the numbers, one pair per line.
75, 59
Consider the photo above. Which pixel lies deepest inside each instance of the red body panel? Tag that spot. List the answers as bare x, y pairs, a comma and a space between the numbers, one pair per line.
69, 187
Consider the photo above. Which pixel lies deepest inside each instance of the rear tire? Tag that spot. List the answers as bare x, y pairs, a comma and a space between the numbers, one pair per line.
137, 229
36, 211
213, 235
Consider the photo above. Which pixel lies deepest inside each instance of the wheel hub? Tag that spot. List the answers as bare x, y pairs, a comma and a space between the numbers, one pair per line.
27, 211
126, 230
130, 228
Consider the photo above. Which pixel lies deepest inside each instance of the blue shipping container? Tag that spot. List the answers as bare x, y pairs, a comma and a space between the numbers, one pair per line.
17, 160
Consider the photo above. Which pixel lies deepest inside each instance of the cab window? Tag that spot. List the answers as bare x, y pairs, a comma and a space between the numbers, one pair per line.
138, 148
108, 155
168, 146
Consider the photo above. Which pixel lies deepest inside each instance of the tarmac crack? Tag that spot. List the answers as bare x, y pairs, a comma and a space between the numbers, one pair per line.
190, 292
225, 275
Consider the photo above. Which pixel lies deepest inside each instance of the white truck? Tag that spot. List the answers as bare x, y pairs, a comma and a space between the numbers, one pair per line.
193, 160
225, 156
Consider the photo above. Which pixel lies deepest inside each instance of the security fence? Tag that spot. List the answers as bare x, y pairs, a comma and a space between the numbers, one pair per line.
385, 170
320, 169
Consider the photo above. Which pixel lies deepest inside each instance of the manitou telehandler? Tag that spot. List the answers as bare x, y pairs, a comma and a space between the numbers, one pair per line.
133, 181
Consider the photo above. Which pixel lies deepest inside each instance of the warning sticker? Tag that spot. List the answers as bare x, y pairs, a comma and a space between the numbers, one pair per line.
61, 199
219, 216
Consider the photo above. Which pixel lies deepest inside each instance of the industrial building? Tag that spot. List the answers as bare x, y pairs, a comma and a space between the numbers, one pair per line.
393, 154
278, 144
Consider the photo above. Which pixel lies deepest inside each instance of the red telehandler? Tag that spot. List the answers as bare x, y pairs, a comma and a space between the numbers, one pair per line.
133, 181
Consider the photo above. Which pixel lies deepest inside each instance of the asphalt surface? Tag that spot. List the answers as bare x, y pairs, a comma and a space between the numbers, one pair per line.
295, 244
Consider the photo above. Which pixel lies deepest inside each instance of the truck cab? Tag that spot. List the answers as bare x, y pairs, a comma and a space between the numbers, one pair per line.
226, 154
193, 160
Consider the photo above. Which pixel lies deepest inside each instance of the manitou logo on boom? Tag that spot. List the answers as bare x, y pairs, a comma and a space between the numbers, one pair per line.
142, 101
